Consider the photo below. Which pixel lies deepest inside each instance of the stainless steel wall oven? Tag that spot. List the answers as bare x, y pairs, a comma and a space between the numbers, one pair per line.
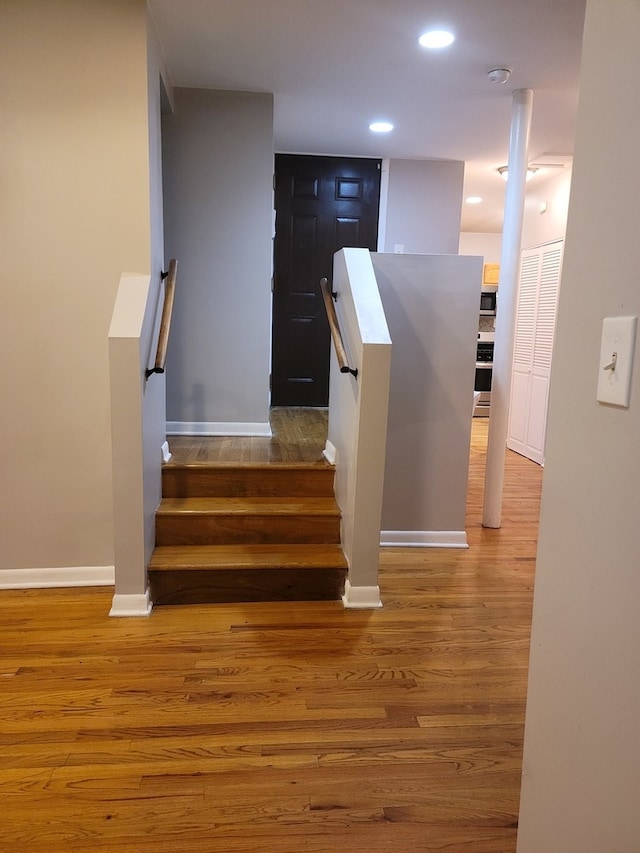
484, 373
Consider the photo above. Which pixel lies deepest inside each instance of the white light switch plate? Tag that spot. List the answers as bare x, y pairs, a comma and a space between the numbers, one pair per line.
616, 360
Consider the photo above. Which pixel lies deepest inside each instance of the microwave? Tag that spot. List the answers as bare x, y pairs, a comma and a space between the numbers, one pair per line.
488, 302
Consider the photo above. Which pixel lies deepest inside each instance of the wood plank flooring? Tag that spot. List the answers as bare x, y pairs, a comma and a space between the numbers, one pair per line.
298, 435
281, 727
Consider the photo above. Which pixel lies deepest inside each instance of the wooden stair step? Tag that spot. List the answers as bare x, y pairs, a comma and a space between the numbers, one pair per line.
249, 506
246, 573
201, 521
240, 480
239, 557
236, 532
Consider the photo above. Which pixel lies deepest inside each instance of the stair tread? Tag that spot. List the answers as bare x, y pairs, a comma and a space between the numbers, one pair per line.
320, 465
248, 506
247, 556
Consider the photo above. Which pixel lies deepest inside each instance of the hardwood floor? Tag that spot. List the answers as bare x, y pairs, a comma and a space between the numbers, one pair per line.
298, 435
281, 727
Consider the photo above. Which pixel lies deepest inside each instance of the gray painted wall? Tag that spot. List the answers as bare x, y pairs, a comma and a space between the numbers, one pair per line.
75, 211
581, 773
431, 304
423, 206
218, 185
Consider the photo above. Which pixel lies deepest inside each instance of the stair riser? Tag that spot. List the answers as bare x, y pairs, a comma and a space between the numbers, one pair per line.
221, 530
194, 482
228, 586
289, 551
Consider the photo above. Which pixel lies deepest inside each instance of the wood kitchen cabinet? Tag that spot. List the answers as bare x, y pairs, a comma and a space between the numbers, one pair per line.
533, 349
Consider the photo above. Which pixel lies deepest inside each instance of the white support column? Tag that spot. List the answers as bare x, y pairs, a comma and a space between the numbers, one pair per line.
507, 305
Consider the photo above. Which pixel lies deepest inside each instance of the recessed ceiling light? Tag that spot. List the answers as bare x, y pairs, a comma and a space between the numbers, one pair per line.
473, 199
381, 126
436, 38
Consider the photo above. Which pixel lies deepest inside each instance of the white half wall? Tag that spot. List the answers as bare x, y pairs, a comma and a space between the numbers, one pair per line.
218, 183
581, 770
357, 421
134, 419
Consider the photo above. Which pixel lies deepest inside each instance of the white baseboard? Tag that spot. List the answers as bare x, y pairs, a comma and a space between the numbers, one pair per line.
361, 597
330, 452
57, 577
215, 428
424, 538
131, 605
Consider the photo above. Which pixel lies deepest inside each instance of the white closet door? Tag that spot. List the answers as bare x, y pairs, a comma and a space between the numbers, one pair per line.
543, 351
533, 349
523, 351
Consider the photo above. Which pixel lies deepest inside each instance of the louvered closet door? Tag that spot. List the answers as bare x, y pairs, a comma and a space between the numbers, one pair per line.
533, 349
523, 351
543, 351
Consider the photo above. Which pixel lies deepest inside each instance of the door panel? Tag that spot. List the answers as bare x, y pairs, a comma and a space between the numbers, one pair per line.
518, 412
323, 204
533, 349
537, 421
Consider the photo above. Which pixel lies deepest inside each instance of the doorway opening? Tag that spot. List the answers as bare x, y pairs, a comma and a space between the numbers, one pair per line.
323, 204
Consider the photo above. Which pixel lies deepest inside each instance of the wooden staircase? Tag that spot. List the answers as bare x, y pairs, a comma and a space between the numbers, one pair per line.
229, 532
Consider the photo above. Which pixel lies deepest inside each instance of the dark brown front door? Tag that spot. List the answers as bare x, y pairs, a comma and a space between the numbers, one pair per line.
323, 204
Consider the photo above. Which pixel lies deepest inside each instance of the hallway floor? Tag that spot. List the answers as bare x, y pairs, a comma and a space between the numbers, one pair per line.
283, 727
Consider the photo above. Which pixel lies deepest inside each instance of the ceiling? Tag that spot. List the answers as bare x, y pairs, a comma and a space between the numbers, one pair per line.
334, 66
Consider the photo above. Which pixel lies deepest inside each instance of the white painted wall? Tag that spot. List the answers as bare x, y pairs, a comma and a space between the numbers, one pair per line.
75, 212
487, 245
218, 179
582, 751
431, 305
545, 209
539, 226
423, 205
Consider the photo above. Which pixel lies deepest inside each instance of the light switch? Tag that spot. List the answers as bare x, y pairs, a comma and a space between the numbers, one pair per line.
616, 360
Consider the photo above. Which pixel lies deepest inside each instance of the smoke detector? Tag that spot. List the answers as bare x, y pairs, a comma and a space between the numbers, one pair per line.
499, 75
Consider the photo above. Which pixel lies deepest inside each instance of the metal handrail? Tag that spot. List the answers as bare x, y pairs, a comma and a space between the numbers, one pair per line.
165, 323
334, 326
